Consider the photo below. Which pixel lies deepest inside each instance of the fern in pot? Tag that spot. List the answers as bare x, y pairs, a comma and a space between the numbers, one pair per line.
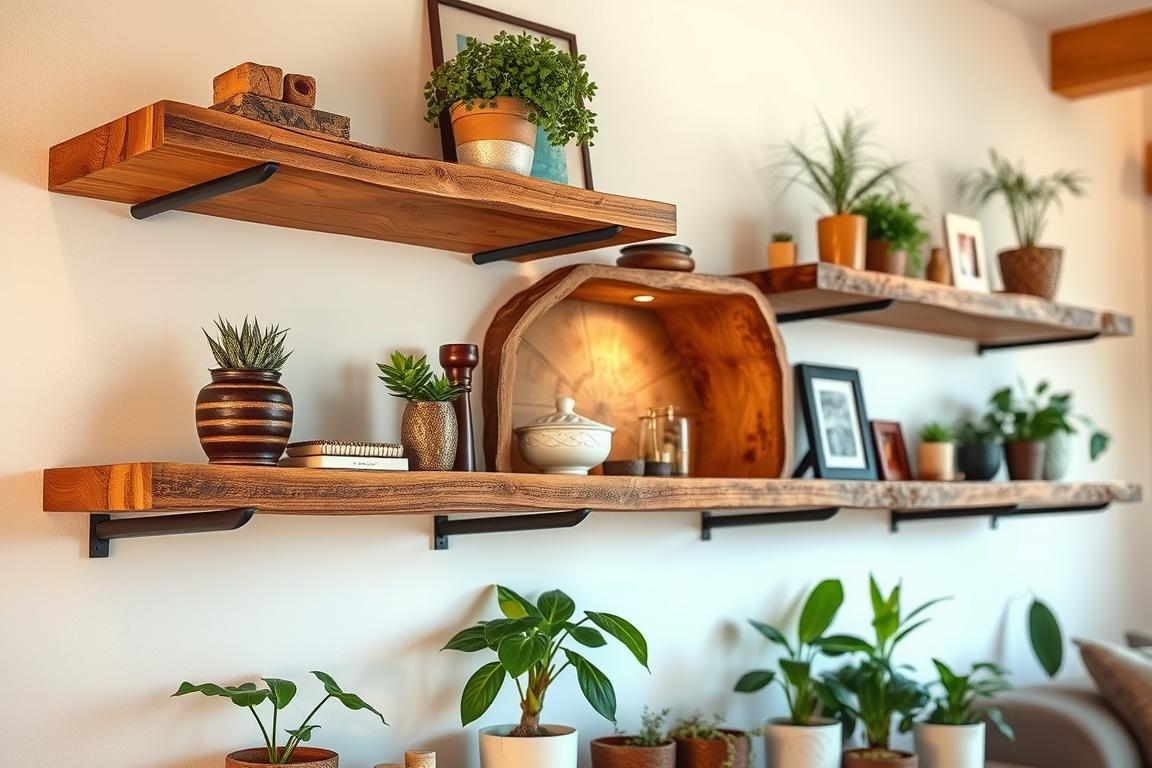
650, 747
428, 429
896, 235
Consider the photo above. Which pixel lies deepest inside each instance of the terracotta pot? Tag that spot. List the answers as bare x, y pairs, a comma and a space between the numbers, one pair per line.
939, 269
980, 461
428, 432
1025, 459
244, 417
304, 757
879, 758
713, 753
881, 258
613, 752
1032, 271
495, 137
781, 255
936, 461
842, 239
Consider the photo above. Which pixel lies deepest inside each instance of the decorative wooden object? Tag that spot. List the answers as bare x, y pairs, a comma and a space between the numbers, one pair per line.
257, 79
300, 89
1103, 56
267, 110
280, 490
458, 362
341, 187
1148, 169
707, 344
926, 307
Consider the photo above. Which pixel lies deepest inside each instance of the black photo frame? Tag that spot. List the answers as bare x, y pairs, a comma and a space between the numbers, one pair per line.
839, 437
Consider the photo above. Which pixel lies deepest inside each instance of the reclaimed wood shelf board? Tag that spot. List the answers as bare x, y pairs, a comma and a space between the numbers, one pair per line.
990, 319
330, 185
146, 487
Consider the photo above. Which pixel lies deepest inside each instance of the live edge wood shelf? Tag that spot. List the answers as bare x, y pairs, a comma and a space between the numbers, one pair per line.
290, 178
992, 320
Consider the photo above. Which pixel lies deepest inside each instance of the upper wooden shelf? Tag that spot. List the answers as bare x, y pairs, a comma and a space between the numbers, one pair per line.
993, 320
329, 185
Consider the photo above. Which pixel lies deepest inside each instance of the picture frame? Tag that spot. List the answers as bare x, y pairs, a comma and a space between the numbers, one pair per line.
891, 453
839, 439
450, 23
965, 239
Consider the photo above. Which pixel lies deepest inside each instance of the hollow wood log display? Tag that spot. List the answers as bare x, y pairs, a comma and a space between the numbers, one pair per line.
707, 344
300, 89
285, 113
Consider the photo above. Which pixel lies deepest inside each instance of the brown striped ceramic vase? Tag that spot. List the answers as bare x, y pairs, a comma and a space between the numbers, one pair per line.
244, 417
303, 757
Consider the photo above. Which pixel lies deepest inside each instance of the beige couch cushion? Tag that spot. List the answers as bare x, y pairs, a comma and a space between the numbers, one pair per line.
1124, 679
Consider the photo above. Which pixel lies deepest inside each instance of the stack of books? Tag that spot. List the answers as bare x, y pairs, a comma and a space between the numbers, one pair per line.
337, 454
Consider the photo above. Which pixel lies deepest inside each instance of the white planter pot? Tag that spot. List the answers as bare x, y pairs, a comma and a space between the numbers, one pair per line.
936, 461
950, 746
499, 750
1058, 456
803, 746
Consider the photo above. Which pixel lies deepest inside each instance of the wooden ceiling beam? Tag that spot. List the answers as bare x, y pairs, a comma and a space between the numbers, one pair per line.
1102, 56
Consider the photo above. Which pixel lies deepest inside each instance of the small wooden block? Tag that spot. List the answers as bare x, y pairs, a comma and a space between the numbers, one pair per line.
300, 89
282, 113
252, 78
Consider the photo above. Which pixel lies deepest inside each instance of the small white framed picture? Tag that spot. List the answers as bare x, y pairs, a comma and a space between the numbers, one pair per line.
965, 239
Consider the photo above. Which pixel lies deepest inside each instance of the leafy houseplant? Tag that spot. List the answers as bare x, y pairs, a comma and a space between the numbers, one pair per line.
702, 743
936, 453
978, 450
428, 430
503, 89
650, 747
953, 732
1046, 637
782, 250
250, 359
896, 234
1029, 268
1031, 421
280, 693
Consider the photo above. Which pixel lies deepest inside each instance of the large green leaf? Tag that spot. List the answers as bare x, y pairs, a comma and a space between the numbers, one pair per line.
623, 631
587, 636
480, 691
834, 645
469, 640
350, 700
771, 633
820, 609
513, 605
556, 607
302, 734
245, 695
282, 691
595, 684
753, 681
1047, 639
797, 672
496, 630
519, 652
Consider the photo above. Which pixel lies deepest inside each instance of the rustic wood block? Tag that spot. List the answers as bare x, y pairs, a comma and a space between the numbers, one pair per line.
300, 89
259, 79
282, 113
1103, 56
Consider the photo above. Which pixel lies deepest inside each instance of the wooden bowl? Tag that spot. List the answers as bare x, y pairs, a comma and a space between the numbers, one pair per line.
671, 257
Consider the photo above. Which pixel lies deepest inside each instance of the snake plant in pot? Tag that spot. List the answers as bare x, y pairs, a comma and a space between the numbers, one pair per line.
952, 735
533, 646
428, 429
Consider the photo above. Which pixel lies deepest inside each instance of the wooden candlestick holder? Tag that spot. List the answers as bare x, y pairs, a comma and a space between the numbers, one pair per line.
458, 361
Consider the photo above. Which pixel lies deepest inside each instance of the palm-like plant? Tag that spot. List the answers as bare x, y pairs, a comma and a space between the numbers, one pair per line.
1029, 200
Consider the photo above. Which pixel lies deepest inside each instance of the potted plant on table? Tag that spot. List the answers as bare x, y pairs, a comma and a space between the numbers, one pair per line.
702, 743
936, 454
1029, 268
428, 429
499, 92
649, 748
531, 642
1028, 422
952, 736
895, 234
280, 693
782, 250
978, 451
245, 415
804, 739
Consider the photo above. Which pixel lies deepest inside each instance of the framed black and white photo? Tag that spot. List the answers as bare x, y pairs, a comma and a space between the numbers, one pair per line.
836, 422
965, 238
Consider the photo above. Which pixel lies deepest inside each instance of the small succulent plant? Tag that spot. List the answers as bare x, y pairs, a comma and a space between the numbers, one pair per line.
250, 346
412, 380
936, 433
782, 237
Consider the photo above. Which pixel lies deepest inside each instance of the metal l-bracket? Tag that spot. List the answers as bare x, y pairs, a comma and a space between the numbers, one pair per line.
444, 528
708, 521
182, 198
846, 309
102, 528
995, 514
982, 347
551, 244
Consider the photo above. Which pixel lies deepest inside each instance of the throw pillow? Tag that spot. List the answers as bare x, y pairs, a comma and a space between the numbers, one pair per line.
1124, 679
1138, 639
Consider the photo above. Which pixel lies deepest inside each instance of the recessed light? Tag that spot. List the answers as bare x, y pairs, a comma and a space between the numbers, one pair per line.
644, 299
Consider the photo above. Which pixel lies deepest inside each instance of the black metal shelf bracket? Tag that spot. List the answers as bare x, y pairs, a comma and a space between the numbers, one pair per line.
824, 312
708, 521
551, 244
444, 528
182, 198
994, 514
982, 348
102, 528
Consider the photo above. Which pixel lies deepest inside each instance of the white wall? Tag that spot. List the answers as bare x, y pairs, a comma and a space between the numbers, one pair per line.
103, 356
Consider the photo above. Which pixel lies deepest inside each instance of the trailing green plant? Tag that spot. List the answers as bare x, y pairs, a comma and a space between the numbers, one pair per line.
412, 380
935, 432
250, 347
528, 642
1042, 414
552, 83
958, 697
696, 727
1029, 200
1046, 637
782, 237
651, 733
891, 218
982, 431
280, 693
843, 170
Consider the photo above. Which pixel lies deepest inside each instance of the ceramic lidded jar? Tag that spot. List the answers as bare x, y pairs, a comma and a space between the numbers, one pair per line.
564, 442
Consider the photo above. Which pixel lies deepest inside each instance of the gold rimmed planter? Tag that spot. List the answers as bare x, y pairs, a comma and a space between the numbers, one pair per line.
497, 136
303, 757
428, 432
244, 417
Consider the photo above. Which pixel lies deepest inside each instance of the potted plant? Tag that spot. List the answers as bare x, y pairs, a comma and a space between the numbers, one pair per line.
1027, 423
895, 234
936, 454
781, 251
804, 739
650, 748
245, 415
704, 743
428, 429
1058, 448
952, 736
500, 92
978, 451
531, 642
841, 173
1029, 268
280, 693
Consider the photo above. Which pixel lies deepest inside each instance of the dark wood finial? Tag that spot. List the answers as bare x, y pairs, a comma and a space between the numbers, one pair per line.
458, 361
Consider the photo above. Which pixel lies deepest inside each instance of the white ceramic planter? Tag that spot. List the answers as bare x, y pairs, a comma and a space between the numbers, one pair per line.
499, 750
1057, 456
803, 746
936, 461
950, 746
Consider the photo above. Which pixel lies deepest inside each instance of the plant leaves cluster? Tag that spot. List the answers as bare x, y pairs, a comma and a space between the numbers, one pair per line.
935, 432
782, 237
1040, 414
697, 727
411, 379
250, 347
956, 703
983, 431
651, 733
891, 218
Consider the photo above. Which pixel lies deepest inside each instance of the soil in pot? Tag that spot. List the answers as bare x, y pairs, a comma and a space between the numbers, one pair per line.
495, 137
980, 461
1031, 271
614, 752
842, 239
881, 258
1025, 460
714, 753
244, 417
303, 757
879, 758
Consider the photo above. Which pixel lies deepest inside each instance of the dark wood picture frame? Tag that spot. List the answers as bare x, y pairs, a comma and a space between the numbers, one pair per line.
447, 143
821, 459
896, 466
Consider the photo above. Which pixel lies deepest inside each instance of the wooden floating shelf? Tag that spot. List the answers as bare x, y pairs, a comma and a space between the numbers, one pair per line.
330, 185
993, 320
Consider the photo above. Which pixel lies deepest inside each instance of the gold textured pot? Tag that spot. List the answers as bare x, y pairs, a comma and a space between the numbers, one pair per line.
428, 433
303, 757
494, 137
842, 239
1032, 271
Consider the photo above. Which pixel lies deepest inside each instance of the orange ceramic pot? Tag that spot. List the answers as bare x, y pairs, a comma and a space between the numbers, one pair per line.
781, 255
843, 239
494, 137
304, 757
